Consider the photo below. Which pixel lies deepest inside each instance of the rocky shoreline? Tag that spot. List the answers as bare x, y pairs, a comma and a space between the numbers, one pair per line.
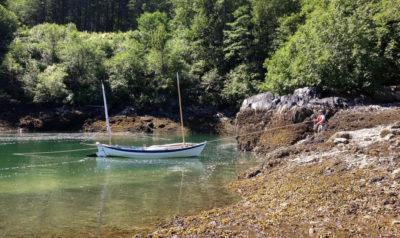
293, 114
344, 181
91, 119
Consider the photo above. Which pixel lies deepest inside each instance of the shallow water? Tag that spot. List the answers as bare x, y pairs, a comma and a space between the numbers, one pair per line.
69, 194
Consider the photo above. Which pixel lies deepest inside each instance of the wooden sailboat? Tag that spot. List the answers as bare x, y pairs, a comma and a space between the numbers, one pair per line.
176, 150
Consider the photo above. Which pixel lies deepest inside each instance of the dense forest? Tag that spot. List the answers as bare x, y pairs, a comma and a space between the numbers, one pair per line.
56, 52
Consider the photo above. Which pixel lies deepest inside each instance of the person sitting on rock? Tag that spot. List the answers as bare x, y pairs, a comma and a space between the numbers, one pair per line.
320, 122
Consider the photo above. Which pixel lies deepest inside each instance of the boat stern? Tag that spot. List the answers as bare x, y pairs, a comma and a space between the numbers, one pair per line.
100, 150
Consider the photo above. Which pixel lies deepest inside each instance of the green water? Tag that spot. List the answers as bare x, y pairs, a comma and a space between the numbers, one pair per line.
70, 194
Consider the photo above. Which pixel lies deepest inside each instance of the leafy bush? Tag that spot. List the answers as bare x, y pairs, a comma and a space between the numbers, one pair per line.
8, 25
339, 46
239, 85
50, 86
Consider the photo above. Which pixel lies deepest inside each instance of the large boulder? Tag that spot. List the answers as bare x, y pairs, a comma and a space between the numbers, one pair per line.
266, 121
302, 97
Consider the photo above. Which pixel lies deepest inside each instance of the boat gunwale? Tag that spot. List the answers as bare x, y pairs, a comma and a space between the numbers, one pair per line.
154, 151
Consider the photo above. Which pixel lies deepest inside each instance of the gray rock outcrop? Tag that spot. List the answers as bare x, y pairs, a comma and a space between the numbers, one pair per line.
266, 121
303, 97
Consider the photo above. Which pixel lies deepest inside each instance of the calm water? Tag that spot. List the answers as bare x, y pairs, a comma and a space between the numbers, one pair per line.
70, 194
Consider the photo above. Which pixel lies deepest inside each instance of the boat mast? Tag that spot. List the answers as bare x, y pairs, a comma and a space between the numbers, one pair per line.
106, 112
180, 109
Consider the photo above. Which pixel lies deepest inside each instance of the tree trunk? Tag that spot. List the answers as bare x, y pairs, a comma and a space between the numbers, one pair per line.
107, 15
119, 16
112, 15
97, 11
43, 11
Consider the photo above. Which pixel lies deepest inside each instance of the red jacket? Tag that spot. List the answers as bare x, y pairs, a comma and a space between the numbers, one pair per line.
321, 119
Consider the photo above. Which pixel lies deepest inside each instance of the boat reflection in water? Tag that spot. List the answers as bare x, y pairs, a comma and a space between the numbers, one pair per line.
170, 164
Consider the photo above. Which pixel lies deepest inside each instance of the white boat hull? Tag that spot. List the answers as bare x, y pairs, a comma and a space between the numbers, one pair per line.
154, 152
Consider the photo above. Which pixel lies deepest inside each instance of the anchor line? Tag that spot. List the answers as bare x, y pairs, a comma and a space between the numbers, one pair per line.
88, 144
51, 152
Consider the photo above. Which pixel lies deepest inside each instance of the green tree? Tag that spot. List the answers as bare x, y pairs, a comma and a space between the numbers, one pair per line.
337, 47
50, 87
153, 28
125, 74
83, 58
30, 59
266, 18
387, 21
238, 39
161, 54
242, 78
240, 84
29, 12
8, 26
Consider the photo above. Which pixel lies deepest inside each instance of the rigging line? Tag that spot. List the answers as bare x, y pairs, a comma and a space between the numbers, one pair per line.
88, 144
256, 132
52, 152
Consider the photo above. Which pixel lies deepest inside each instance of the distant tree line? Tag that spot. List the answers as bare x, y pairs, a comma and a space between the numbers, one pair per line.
225, 50
87, 15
